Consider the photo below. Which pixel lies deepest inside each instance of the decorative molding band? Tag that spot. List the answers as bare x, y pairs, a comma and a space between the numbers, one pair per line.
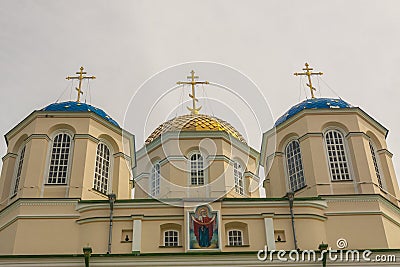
197, 135
172, 158
362, 134
302, 216
9, 155
141, 176
123, 155
86, 136
321, 205
244, 216
37, 202
364, 198
385, 151
55, 216
352, 213
37, 136
81, 207
354, 110
268, 215
251, 175
137, 216
275, 154
162, 218
220, 158
308, 135
103, 219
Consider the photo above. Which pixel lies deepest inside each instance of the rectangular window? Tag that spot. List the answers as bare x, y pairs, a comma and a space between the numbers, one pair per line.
171, 238
235, 238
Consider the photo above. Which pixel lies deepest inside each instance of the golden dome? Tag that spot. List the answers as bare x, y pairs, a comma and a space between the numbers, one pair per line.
195, 122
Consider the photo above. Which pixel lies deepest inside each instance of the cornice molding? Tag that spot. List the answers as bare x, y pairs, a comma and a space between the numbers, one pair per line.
39, 216
362, 134
122, 155
197, 135
308, 135
38, 136
354, 110
386, 152
9, 155
86, 136
39, 114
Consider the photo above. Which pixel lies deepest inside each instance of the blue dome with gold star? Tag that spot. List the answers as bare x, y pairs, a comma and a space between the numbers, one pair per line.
313, 103
72, 106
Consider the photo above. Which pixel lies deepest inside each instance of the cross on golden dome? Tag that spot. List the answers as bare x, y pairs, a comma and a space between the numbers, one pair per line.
80, 78
193, 82
308, 72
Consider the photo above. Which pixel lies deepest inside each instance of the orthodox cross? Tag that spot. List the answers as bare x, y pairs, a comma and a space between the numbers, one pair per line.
308, 72
193, 82
80, 78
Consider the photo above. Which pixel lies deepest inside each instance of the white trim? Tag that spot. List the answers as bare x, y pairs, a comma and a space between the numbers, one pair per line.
137, 236
269, 233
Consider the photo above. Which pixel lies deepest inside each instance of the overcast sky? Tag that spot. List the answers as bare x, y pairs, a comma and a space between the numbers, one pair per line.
355, 43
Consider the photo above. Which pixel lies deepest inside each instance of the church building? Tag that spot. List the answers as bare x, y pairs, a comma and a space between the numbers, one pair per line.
76, 191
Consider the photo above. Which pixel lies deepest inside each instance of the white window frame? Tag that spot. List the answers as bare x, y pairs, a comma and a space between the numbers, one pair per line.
234, 238
238, 174
155, 179
99, 188
173, 243
18, 171
298, 175
376, 165
69, 159
197, 169
338, 169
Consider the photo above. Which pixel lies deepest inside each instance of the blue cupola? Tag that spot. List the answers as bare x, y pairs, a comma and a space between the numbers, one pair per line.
313, 103
72, 106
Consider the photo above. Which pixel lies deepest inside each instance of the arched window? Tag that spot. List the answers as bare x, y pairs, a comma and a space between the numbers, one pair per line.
102, 169
171, 238
155, 179
235, 238
337, 157
294, 166
376, 166
238, 176
59, 159
17, 178
197, 169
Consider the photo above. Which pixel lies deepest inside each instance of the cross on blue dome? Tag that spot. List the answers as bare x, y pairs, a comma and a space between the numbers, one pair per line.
72, 106
314, 103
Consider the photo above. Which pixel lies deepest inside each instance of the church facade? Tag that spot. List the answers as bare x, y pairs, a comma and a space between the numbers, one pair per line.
69, 170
